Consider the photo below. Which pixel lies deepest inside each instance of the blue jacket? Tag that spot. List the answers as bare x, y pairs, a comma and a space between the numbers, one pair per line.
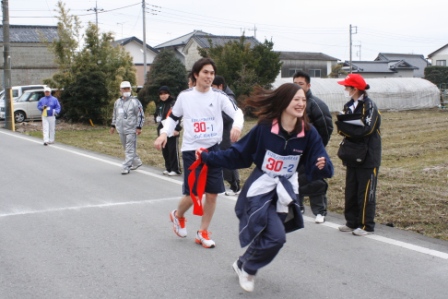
52, 103
251, 207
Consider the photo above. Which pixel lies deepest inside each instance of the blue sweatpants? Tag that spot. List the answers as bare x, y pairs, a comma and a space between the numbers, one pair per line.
266, 245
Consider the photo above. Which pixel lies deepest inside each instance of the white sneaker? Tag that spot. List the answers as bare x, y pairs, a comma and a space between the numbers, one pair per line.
125, 171
134, 167
319, 219
345, 229
165, 172
203, 239
172, 173
179, 226
231, 193
360, 232
246, 281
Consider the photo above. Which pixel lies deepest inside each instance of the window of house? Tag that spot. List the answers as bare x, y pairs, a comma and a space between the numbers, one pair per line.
316, 73
441, 62
293, 71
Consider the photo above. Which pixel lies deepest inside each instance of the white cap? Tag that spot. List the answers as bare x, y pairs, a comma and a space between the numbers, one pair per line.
125, 84
46, 88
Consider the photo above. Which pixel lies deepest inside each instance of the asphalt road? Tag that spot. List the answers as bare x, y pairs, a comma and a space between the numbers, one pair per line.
71, 226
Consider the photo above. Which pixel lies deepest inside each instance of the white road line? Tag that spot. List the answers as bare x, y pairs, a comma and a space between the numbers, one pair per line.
409, 246
159, 176
103, 205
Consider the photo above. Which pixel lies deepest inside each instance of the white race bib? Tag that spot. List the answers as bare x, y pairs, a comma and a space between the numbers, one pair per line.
276, 165
204, 128
120, 110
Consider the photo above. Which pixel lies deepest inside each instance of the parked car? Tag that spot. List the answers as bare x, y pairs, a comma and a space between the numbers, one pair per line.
25, 107
17, 91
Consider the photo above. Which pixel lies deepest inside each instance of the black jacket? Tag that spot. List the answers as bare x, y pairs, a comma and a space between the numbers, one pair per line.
369, 133
162, 110
320, 116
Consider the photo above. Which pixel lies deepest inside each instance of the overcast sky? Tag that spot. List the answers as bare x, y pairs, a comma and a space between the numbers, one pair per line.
410, 27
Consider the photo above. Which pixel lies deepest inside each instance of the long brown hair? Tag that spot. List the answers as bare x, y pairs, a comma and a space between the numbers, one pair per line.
270, 104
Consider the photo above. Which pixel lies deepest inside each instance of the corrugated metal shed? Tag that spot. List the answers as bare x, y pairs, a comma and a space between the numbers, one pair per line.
387, 93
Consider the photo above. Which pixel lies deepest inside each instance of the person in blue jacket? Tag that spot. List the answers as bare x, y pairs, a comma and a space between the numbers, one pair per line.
267, 206
50, 108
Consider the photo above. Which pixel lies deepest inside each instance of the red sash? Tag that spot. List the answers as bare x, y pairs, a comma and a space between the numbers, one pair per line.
200, 187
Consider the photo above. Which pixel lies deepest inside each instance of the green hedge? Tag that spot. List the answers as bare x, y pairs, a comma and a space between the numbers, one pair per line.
437, 75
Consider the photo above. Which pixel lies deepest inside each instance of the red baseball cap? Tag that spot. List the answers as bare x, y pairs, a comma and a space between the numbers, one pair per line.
354, 80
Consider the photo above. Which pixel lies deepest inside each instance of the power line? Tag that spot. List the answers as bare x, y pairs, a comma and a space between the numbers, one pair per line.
95, 9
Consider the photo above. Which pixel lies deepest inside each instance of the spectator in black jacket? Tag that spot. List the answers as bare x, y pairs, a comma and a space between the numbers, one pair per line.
361, 177
231, 176
320, 116
171, 150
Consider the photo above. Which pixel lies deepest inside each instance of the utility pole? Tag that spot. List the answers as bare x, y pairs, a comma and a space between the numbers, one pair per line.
359, 51
351, 33
95, 9
144, 40
255, 31
9, 112
153, 11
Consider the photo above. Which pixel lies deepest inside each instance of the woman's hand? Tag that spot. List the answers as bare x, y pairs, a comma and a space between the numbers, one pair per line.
198, 153
320, 163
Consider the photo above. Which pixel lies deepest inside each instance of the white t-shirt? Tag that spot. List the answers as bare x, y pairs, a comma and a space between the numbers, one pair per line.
202, 118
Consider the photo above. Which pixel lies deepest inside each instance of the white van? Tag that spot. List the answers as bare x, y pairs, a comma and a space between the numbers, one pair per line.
17, 91
25, 107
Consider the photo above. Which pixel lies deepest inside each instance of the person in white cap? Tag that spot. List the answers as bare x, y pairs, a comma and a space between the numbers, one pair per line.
128, 119
50, 108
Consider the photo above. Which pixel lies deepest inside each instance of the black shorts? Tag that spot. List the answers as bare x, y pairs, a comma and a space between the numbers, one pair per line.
215, 181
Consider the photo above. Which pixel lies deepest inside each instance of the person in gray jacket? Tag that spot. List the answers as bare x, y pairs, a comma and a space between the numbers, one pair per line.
128, 118
319, 115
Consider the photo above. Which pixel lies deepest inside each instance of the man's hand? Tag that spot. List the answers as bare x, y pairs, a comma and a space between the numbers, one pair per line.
112, 130
160, 141
235, 134
138, 131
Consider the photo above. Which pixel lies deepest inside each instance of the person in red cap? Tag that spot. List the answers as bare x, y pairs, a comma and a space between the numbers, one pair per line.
361, 173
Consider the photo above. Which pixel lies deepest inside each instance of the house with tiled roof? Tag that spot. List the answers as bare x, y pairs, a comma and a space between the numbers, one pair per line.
178, 44
191, 52
439, 57
390, 65
381, 69
316, 64
135, 48
31, 60
416, 61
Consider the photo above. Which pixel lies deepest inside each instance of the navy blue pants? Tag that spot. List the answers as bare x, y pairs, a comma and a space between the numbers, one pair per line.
266, 245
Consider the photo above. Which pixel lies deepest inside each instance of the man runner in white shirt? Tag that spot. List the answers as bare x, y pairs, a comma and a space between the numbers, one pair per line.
201, 108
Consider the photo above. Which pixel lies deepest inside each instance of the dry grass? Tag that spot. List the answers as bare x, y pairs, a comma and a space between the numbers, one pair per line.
412, 191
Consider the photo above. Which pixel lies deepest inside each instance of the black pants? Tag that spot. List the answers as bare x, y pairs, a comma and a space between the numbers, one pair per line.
231, 176
360, 197
316, 190
171, 155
